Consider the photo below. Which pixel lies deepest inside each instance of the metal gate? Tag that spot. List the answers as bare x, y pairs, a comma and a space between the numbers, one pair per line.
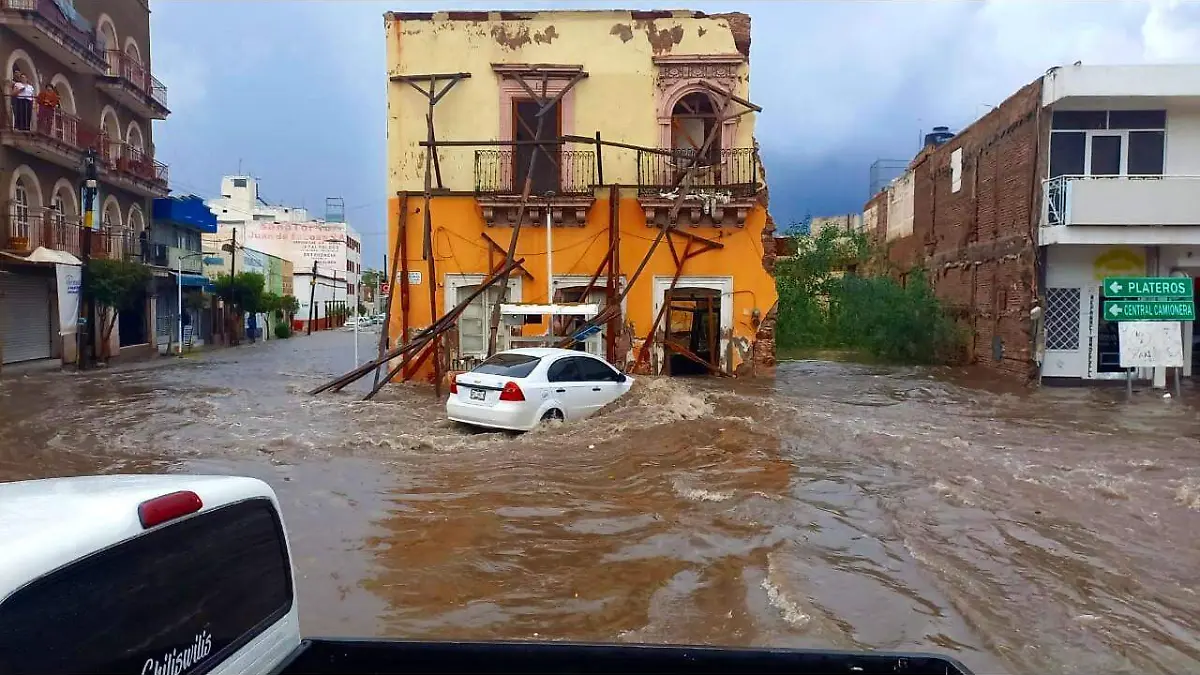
25, 326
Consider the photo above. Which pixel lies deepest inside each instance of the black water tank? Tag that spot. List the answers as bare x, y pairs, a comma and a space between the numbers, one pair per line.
938, 136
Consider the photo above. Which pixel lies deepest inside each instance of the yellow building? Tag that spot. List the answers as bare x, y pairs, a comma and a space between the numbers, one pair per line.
652, 86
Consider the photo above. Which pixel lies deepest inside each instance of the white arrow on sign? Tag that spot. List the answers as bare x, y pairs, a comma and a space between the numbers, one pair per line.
1116, 287
1115, 310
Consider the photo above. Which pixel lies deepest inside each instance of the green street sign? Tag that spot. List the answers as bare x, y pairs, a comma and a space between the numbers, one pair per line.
1149, 310
1148, 287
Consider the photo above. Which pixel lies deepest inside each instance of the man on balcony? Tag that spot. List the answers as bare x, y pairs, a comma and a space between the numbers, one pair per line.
22, 100
47, 110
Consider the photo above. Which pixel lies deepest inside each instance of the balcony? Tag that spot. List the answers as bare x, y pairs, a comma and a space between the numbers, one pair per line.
130, 82
1147, 210
570, 175
23, 231
50, 134
116, 243
723, 190
129, 168
67, 39
175, 258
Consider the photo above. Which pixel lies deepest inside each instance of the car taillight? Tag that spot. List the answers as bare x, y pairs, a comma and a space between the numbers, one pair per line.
168, 507
454, 385
512, 392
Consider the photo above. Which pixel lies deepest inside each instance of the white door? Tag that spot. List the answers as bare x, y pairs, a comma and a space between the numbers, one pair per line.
599, 386
568, 388
475, 321
1067, 346
25, 326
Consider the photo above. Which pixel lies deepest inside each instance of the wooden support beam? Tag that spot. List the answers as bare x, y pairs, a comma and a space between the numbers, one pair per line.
446, 89
708, 243
612, 287
548, 105
494, 245
441, 325
425, 76
401, 232
687, 353
729, 94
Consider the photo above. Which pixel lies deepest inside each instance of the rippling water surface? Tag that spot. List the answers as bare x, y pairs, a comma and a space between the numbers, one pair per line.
839, 506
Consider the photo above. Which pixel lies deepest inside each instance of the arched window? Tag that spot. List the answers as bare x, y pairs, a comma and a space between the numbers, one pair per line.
692, 119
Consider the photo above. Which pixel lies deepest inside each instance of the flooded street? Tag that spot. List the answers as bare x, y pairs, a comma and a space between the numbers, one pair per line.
839, 506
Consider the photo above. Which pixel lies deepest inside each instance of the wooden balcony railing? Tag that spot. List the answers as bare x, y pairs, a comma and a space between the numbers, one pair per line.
133, 71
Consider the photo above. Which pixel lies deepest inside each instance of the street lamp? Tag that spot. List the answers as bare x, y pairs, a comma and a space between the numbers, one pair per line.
179, 297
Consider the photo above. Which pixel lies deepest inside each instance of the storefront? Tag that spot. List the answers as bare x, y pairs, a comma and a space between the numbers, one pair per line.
1079, 343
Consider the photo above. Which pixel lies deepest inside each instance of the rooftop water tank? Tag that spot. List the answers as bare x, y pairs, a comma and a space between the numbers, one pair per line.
938, 136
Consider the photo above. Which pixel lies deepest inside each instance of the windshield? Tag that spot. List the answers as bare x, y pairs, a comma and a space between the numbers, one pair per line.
508, 365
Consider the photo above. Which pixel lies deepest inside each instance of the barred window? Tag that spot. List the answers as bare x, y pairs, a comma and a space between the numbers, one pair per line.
1062, 318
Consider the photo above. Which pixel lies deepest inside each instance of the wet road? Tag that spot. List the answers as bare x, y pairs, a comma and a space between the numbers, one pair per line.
841, 506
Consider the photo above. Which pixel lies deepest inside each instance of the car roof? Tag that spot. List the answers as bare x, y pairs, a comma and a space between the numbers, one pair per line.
543, 352
46, 524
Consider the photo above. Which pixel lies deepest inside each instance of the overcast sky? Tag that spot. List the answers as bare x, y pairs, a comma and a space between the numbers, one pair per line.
295, 92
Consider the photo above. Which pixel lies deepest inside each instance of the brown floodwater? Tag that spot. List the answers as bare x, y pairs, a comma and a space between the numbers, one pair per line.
839, 506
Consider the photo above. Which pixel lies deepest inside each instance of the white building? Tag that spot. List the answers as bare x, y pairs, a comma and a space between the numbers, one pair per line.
290, 233
1122, 198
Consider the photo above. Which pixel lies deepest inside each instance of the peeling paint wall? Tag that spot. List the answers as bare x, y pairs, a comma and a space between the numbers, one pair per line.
616, 48
619, 98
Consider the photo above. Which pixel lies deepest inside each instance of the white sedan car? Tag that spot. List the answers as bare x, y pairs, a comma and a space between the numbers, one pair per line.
518, 389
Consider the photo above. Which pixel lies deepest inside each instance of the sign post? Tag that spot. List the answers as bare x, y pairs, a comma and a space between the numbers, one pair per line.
1150, 312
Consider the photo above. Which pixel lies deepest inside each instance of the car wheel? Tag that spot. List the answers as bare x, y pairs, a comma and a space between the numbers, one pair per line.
552, 415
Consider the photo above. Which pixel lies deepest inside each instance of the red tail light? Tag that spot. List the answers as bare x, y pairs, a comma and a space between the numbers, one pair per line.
512, 392
168, 507
454, 385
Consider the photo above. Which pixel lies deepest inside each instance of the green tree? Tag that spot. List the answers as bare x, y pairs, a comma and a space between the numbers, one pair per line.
243, 291
117, 285
290, 305
837, 292
372, 278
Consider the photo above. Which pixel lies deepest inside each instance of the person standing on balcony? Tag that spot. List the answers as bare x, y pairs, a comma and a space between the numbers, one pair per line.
22, 100
47, 110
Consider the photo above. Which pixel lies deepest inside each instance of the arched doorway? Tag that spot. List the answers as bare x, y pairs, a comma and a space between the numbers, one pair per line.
111, 228
106, 36
21, 111
64, 217
692, 119
24, 217
65, 124
110, 142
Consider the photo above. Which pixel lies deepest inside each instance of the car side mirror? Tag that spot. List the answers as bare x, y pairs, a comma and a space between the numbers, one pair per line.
621, 377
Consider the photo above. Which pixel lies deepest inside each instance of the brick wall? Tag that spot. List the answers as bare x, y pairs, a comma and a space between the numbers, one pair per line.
978, 245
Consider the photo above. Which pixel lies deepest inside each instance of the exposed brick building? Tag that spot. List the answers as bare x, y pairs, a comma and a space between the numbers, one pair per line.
1089, 171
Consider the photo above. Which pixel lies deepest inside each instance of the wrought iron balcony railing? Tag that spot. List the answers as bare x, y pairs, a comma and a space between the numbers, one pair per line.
563, 172
734, 170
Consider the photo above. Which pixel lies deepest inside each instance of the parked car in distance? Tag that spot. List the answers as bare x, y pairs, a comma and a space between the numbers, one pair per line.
520, 388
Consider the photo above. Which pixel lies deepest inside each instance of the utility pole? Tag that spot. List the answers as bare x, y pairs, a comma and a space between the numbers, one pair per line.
85, 331
233, 316
312, 298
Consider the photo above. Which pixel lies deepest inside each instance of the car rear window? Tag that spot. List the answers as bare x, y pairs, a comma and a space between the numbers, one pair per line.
176, 600
508, 365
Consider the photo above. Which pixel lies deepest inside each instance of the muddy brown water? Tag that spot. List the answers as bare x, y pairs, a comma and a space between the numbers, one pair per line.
840, 506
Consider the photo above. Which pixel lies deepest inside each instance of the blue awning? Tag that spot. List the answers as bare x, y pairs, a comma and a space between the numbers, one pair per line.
190, 212
195, 281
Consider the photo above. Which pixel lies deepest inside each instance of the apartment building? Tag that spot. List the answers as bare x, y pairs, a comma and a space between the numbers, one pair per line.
1087, 172
88, 64
290, 233
627, 100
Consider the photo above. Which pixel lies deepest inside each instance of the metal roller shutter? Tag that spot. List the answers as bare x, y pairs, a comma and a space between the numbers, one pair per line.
24, 317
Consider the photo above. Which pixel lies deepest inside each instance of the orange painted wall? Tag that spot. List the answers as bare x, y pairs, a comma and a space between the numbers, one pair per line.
460, 249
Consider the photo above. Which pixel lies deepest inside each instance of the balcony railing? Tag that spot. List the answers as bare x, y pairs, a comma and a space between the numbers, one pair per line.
1121, 200
48, 123
734, 170
564, 172
131, 70
24, 230
72, 29
133, 161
